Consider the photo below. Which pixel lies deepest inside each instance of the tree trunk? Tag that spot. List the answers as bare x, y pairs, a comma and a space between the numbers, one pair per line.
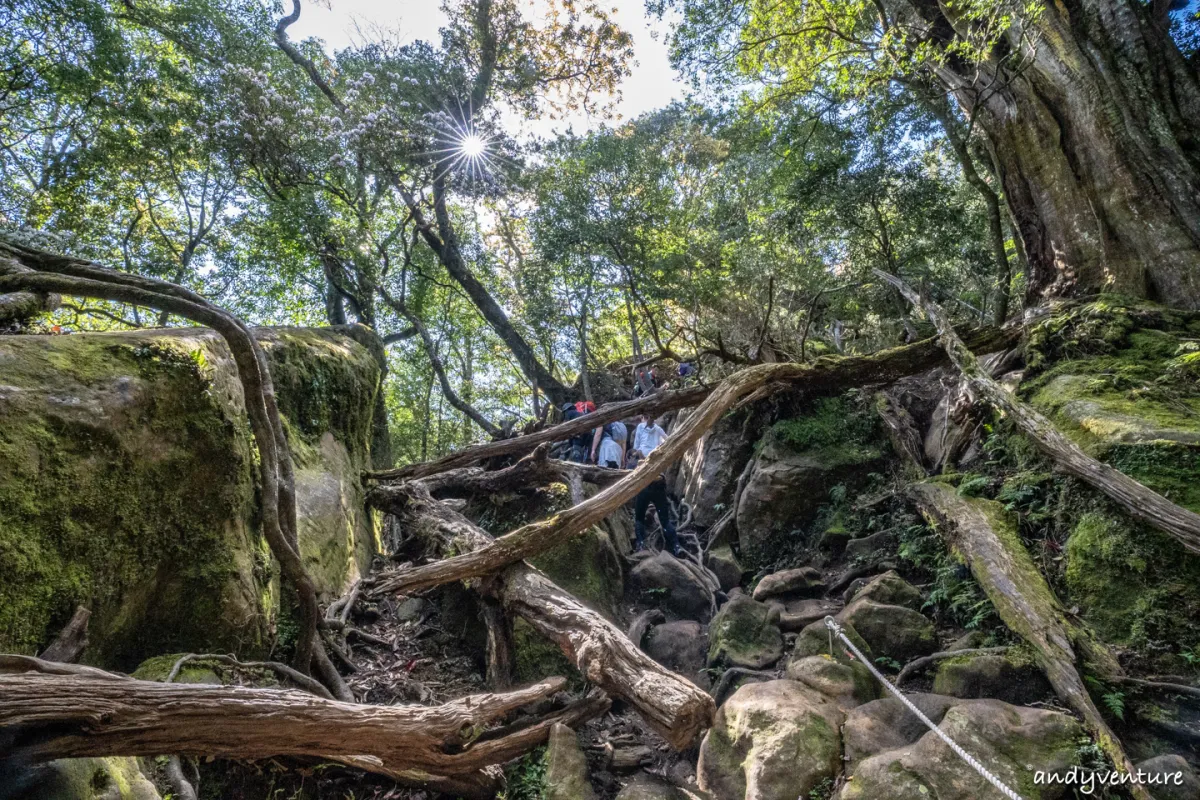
1093, 116
677, 709
62, 712
1002, 566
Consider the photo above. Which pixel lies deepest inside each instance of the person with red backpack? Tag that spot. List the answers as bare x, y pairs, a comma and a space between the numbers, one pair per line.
581, 443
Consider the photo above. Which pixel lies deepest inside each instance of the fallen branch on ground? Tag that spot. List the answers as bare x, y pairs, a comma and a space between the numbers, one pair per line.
677, 709
1006, 573
64, 711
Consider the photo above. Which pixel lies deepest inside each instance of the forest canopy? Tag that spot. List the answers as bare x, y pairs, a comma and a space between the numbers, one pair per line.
384, 183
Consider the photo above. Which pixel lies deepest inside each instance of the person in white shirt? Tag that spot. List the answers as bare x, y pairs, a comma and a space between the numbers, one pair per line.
648, 436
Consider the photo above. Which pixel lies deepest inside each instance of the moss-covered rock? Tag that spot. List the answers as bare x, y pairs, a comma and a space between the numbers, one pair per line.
84, 779
893, 632
589, 567
775, 740
745, 633
890, 589
1012, 679
848, 685
537, 657
127, 485
566, 767
800, 460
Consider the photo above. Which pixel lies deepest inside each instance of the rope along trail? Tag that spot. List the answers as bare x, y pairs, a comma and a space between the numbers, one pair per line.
836, 630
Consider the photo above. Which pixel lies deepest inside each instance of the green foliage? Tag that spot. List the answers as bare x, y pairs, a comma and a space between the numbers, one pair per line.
525, 778
832, 422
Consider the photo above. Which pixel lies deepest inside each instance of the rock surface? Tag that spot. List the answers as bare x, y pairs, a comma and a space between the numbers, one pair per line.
663, 581
771, 741
84, 779
1015, 742
725, 565
127, 485
566, 767
793, 582
894, 632
745, 633
993, 676
1170, 777
891, 590
681, 647
848, 685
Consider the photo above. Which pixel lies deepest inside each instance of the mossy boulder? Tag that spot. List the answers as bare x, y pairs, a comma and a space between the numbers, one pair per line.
890, 589
726, 566
776, 740
799, 582
1015, 742
83, 779
589, 567
127, 485
893, 632
800, 460
1008, 678
665, 581
885, 724
815, 640
681, 647
745, 633
848, 685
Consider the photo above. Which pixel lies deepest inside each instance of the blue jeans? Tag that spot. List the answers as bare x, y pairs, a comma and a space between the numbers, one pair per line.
655, 493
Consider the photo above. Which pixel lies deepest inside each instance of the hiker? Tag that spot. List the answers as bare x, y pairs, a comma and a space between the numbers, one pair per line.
608, 445
580, 443
648, 436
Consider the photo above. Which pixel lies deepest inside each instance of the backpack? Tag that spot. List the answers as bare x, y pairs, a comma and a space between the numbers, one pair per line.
616, 431
585, 406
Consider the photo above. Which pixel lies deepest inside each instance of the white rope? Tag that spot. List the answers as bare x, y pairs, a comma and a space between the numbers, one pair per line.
835, 629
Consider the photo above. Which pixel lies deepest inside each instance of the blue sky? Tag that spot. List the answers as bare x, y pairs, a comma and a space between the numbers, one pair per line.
653, 83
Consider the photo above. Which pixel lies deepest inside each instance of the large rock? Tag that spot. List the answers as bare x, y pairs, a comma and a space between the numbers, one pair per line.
589, 567
566, 767
803, 581
890, 589
709, 470
127, 485
771, 741
80, 779
800, 461
1169, 777
725, 565
650, 787
664, 581
799, 614
995, 676
681, 647
893, 632
745, 633
816, 640
1013, 741
848, 685
885, 724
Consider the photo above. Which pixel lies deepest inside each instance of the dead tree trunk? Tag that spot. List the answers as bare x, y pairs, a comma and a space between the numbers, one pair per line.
62, 711
673, 706
1138, 501
993, 551
71, 640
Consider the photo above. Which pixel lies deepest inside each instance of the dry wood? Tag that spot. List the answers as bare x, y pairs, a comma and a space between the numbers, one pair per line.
672, 705
62, 711
824, 376
71, 640
1003, 568
924, 662
501, 649
1138, 501
532, 470
827, 375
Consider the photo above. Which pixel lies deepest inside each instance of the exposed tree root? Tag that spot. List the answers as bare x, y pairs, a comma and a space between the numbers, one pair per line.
1137, 500
1010, 579
532, 470
734, 673
66, 711
677, 709
26, 269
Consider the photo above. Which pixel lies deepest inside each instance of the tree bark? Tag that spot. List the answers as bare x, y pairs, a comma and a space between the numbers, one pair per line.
71, 712
677, 709
1093, 116
71, 640
1010, 579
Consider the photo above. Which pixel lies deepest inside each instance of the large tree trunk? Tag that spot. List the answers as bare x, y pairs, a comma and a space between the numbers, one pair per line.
1094, 118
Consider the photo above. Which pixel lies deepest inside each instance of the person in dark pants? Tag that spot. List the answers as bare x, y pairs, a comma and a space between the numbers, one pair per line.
655, 493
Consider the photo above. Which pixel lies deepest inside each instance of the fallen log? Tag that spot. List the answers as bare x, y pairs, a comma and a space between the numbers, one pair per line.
59, 711
532, 470
822, 377
1137, 500
992, 549
890, 365
676, 708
